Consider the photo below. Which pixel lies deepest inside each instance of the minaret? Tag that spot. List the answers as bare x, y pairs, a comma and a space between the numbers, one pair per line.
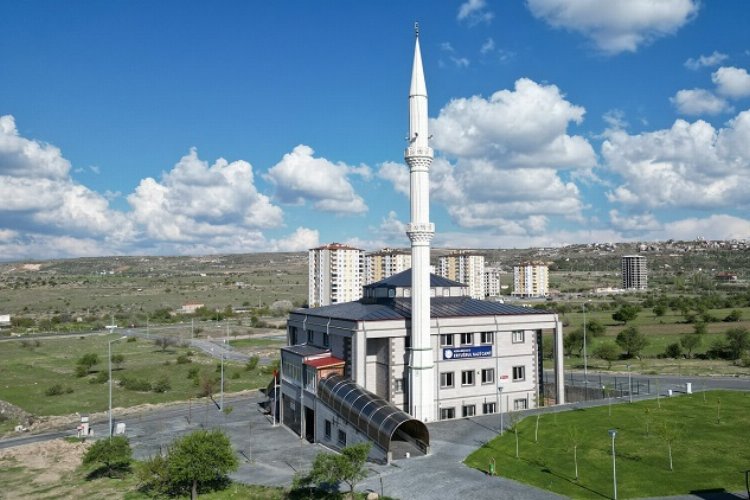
418, 156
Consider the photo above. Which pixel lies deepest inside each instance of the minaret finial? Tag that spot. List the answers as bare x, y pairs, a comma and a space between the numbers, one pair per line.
416, 29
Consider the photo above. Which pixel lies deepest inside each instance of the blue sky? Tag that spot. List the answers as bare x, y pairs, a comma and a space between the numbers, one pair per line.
194, 127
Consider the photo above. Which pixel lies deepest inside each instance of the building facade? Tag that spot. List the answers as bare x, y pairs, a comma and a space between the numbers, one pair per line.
531, 279
492, 281
335, 274
634, 272
385, 263
467, 268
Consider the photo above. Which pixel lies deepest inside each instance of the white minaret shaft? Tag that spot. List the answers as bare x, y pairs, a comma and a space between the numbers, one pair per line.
418, 156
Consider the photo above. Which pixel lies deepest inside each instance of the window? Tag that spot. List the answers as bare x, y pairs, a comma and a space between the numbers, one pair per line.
342, 438
446, 340
292, 335
447, 413
488, 376
518, 336
519, 373
467, 338
520, 404
326, 341
488, 408
398, 385
488, 337
468, 410
328, 429
467, 377
310, 336
446, 380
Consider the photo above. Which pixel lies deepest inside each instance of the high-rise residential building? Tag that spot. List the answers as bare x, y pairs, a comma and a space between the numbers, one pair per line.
464, 267
634, 272
531, 279
335, 273
491, 281
385, 263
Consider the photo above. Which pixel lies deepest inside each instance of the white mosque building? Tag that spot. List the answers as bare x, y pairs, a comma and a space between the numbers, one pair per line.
416, 348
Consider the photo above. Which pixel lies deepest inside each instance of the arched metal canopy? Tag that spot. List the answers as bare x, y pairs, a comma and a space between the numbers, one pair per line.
371, 415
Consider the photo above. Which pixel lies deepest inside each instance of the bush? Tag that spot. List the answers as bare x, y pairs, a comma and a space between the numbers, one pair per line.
153, 476
673, 351
131, 339
252, 363
161, 385
235, 375
81, 371
100, 378
55, 390
183, 359
135, 384
193, 372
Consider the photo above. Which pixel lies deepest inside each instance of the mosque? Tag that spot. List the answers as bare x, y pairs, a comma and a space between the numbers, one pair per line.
416, 348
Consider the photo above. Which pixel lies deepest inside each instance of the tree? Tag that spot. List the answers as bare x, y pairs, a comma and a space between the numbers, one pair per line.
700, 328
574, 439
733, 316
199, 458
738, 341
347, 467
573, 341
659, 310
113, 453
673, 351
669, 434
85, 363
626, 312
632, 340
594, 328
608, 352
690, 341
165, 342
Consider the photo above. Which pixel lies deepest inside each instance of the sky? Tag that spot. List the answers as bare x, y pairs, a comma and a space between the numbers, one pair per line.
191, 128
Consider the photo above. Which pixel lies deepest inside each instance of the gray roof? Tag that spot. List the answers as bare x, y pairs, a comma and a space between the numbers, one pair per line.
403, 280
305, 350
400, 308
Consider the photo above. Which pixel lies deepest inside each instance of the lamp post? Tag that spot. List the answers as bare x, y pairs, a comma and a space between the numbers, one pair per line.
612, 434
222, 382
630, 386
585, 358
109, 355
500, 397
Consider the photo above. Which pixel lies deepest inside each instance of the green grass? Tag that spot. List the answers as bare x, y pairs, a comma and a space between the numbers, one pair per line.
708, 455
26, 373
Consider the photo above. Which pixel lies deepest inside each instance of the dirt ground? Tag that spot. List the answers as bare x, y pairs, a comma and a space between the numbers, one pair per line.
30, 469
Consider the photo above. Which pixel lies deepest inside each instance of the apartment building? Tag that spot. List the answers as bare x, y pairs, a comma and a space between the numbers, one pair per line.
531, 279
335, 274
464, 267
385, 263
634, 272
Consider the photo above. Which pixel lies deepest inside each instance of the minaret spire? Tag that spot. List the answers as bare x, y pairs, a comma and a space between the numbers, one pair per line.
418, 156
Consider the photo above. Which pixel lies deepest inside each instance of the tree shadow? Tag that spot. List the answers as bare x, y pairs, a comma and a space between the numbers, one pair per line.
114, 472
715, 494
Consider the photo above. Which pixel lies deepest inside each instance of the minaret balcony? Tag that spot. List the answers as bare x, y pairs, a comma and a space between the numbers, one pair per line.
418, 151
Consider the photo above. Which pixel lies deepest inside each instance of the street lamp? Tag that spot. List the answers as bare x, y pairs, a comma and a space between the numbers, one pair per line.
109, 353
612, 434
630, 386
585, 358
222, 382
500, 397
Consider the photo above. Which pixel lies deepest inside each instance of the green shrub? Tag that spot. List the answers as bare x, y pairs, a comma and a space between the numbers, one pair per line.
55, 390
135, 384
161, 385
183, 359
252, 363
100, 378
131, 339
81, 371
114, 454
235, 375
193, 372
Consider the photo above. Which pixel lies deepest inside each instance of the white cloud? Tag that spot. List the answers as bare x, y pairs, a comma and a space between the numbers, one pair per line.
474, 12
634, 223
502, 159
487, 46
300, 240
37, 194
690, 165
713, 227
523, 127
195, 200
732, 82
617, 25
699, 102
706, 61
300, 177
615, 119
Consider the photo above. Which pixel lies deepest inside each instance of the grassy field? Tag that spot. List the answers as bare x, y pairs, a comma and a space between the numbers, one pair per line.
27, 372
708, 454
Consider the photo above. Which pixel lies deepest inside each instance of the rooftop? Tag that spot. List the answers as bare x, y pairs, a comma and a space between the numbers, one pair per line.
403, 280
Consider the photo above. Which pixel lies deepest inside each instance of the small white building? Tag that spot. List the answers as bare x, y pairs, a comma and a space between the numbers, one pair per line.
5, 320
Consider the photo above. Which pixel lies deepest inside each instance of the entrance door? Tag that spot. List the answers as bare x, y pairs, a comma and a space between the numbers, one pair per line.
310, 424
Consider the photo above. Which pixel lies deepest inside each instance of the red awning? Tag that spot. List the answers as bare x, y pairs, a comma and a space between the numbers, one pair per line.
324, 362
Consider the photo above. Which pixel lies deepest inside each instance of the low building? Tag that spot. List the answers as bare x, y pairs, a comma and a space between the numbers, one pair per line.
190, 307
355, 356
5, 320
